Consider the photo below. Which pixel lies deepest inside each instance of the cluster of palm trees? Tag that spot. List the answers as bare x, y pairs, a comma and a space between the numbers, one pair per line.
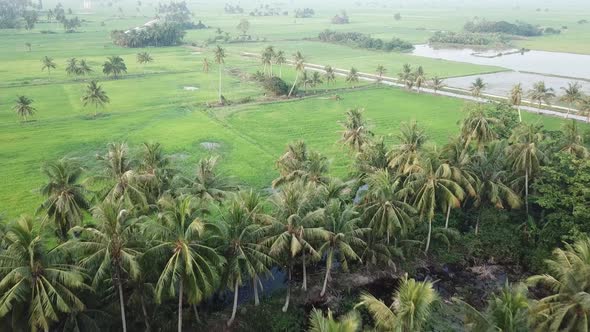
141, 232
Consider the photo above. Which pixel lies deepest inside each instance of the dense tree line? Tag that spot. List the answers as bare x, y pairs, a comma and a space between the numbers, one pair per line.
304, 12
138, 243
517, 29
468, 38
357, 39
157, 35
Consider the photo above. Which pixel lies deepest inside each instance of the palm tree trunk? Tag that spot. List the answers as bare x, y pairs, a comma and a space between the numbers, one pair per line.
294, 83
255, 284
328, 268
145, 315
526, 190
220, 101
429, 235
448, 215
197, 318
121, 301
180, 289
519, 114
304, 285
235, 307
286, 306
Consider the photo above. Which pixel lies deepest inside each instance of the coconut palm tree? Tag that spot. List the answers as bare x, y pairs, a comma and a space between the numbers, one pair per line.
36, 287
181, 240
246, 258
47, 63
268, 54
305, 80
157, 165
437, 84
571, 95
419, 77
381, 70
342, 239
205, 66
23, 107
220, 60
506, 310
280, 60
406, 76
573, 141
83, 68
373, 157
352, 77
144, 58
299, 61
566, 308
479, 127
585, 107
477, 88
293, 228
515, 98
297, 163
72, 66
491, 180
114, 66
385, 207
350, 322
411, 306
526, 154
405, 155
329, 74
96, 96
207, 184
355, 131
434, 187
65, 200
541, 94
316, 79
108, 248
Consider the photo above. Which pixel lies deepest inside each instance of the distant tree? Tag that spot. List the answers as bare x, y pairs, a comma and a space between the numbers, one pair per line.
205, 66
316, 79
572, 95
24, 108
437, 84
299, 68
406, 76
397, 16
329, 74
47, 63
244, 26
29, 46
477, 88
30, 17
352, 77
381, 70
220, 60
280, 60
516, 98
541, 94
96, 96
83, 68
114, 66
144, 58
585, 107
72, 66
420, 78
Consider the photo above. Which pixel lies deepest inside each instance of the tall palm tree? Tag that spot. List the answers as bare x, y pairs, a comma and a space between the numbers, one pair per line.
355, 131
515, 98
84, 68
299, 61
405, 155
205, 67
220, 60
507, 310
329, 74
144, 58
207, 184
437, 84
572, 95
342, 239
65, 200
268, 54
280, 60
96, 96
246, 258
352, 77
297, 163
419, 77
479, 127
350, 322
108, 248
406, 76
411, 306
157, 165
381, 70
434, 187
72, 66
573, 141
47, 63
305, 80
567, 307
23, 107
35, 281
541, 94
294, 228
385, 207
114, 66
374, 156
477, 88
181, 240
316, 79
527, 154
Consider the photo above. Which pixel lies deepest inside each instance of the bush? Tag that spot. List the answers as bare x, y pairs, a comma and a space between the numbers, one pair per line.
517, 29
276, 86
156, 35
468, 38
357, 39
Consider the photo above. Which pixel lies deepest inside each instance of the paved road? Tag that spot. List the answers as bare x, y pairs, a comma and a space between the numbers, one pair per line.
460, 93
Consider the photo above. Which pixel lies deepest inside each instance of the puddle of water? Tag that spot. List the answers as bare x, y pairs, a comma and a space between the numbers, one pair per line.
550, 63
191, 88
501, 83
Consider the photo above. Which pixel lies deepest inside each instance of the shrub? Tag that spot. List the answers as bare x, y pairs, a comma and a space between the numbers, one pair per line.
518, 28
276, 86
357, 39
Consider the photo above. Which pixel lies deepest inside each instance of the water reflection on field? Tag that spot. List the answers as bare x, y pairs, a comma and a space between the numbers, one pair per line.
501, 83
551, 63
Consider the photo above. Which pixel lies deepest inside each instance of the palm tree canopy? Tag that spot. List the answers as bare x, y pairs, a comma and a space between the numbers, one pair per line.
95, 95
350, 322
23, 107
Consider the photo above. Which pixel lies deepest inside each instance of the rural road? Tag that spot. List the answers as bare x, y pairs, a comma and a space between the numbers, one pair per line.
391, 81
